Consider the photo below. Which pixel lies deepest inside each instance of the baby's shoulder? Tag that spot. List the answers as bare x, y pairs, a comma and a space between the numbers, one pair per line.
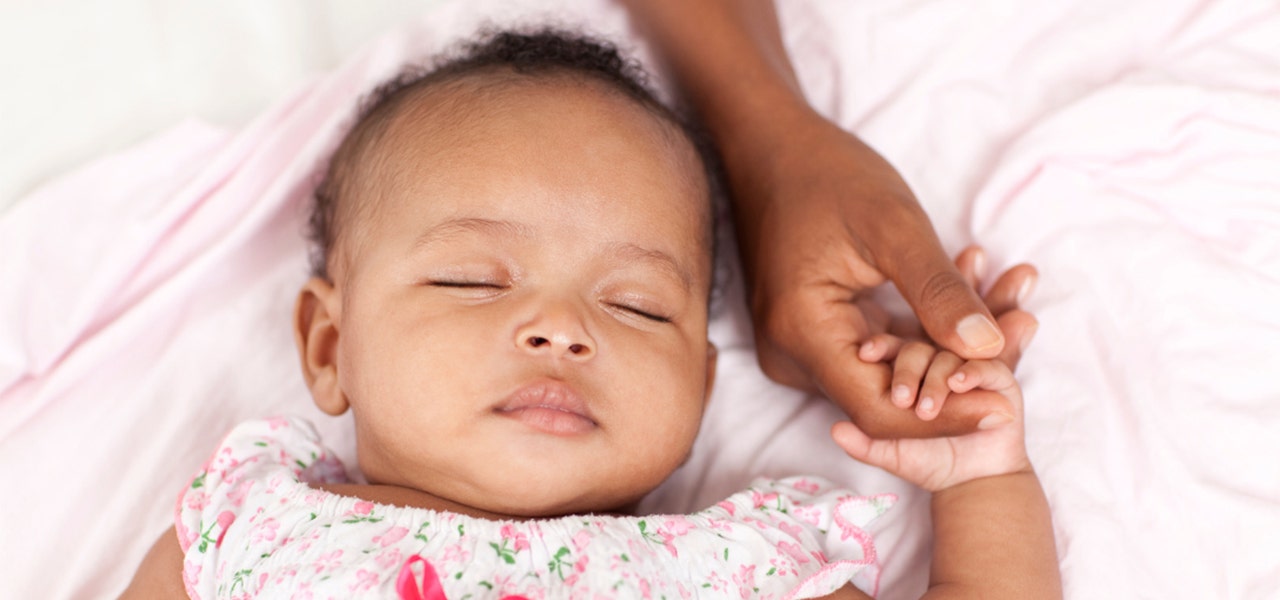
813, 502
262, 461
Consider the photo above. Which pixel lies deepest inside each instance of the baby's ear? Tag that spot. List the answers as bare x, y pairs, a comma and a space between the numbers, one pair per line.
316, 319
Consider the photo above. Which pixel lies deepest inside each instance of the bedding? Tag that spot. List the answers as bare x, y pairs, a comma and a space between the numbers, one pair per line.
1129, 151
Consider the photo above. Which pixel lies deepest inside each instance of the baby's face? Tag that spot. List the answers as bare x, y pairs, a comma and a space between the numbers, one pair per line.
522, 313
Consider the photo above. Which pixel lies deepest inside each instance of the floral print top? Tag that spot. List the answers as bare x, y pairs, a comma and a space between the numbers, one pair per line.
250, 526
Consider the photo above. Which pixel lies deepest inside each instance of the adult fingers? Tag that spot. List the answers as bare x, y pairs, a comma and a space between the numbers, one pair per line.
1019, 328
861, 390
972, 265
1011, 289
947, 306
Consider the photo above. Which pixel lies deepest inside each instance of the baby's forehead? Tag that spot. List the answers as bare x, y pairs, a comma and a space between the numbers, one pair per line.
454, 115
440, 116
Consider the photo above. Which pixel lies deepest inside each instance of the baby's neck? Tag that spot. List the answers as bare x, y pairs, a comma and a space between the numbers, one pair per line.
411, 498
408, 497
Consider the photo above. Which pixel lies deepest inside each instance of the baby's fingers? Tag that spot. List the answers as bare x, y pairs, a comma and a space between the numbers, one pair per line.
986, 374
935, 388
882, 346
909, 368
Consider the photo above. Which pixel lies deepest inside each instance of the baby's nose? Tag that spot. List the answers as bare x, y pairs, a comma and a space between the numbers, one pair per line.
557, 332
558, 345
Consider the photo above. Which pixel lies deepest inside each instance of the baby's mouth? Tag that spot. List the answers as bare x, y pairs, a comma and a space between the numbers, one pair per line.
548, 406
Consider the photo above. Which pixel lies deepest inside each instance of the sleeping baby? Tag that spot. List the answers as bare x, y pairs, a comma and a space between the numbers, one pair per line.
513, 256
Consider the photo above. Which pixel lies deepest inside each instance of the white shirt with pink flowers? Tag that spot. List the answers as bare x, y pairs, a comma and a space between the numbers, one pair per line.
251, 526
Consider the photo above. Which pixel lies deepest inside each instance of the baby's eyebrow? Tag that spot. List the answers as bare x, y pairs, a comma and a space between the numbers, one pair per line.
627, 251
463, 225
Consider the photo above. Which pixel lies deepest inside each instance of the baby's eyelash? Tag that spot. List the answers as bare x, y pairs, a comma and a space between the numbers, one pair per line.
465, 284
647, 315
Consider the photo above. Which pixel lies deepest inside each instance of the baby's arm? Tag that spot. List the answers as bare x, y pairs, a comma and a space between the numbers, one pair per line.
160, 574
992, 528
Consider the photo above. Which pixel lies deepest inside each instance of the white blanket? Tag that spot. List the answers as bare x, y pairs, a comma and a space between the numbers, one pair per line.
1130, 151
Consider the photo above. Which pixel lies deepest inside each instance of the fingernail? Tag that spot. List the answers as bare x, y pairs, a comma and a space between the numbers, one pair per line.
926, 405
1026, 339
993, 421
1028, 285
900, 394
980, 263
978, 333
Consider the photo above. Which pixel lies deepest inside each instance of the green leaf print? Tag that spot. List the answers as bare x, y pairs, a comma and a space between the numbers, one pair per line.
198, 482
506, 554
559, 564
651, 536
420, 535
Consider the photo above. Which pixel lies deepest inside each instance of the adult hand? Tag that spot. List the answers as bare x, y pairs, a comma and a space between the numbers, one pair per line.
822, 219
827, 221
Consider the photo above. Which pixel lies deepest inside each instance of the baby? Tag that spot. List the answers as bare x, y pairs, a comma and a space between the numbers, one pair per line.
513, 263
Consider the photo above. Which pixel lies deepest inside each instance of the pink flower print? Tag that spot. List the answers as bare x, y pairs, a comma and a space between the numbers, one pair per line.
718, 525
302, 592
239, 492
727, 506
716, 582
362, 508
288, 573
262, 579
745, 578
277, 422
391, 536
790, 528
677, 526
328, 562
313, 498
781, 567
519, 540
225, 519
388, 559
224, 461
197, 500
455, 553
365, 580
809, 514
806, 486
645, 592
759, 500
191, 577
265, 531
794, 551
580, 565
580, 541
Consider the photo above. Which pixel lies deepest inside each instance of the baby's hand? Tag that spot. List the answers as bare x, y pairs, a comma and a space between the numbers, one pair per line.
997, 448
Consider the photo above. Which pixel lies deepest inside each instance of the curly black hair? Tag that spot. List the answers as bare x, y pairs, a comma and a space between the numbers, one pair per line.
537, 53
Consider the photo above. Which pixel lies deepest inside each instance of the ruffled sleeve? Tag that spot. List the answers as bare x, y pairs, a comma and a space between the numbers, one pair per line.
272, 452
819, 514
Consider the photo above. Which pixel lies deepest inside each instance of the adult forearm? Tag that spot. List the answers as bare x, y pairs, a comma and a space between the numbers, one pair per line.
994, 536
729, 59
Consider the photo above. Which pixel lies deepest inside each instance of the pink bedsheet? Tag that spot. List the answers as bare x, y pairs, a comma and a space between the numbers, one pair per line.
1131, 151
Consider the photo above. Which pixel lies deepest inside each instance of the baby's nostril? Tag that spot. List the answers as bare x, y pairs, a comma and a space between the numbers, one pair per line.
577, 349
536, 341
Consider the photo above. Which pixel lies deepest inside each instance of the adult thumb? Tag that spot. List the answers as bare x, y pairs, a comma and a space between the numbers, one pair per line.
948, 308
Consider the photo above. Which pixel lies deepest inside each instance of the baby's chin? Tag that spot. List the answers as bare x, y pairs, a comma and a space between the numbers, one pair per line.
539, 500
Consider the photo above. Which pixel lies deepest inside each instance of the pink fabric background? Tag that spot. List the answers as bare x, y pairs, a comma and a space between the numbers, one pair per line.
1128, 151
